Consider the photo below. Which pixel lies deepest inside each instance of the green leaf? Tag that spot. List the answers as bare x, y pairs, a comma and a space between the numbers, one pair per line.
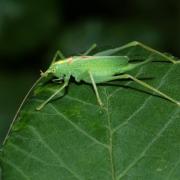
135, 136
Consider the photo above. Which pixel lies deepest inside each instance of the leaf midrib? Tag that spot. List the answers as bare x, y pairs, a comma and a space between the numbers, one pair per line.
110, 134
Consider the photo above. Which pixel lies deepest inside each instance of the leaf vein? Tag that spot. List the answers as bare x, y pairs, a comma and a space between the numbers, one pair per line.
62, 164
173, 169
142, 154
79, 129
110, 138
76, 99
28, 154
18, 169
81, 101
143, 105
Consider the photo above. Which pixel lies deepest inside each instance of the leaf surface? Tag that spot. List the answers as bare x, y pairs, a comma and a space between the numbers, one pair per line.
134, 136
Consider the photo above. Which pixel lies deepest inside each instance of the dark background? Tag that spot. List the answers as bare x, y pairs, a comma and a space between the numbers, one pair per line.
32, 30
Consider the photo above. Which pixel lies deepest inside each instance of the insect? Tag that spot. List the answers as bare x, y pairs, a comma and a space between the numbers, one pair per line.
95, 69
99, 69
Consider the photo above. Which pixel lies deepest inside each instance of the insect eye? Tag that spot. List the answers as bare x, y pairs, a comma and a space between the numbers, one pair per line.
53, 70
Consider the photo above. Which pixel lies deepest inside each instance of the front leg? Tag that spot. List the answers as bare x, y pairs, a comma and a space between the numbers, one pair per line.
53, 95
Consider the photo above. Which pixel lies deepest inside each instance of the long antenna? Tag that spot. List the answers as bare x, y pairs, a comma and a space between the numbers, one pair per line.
22, 103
